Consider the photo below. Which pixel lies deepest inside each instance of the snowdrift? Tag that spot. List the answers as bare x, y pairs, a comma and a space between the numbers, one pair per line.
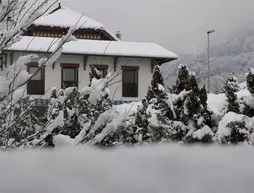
154, 169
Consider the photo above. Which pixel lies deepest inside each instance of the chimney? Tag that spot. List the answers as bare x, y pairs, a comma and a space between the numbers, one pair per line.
119, 35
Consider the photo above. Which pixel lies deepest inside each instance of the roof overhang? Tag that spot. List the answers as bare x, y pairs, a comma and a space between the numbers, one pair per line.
95, 47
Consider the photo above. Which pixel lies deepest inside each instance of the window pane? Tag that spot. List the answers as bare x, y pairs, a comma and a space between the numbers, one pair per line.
129, 76
68, 74
32, 70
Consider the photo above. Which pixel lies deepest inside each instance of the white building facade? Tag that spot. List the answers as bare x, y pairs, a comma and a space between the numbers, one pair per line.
130, 62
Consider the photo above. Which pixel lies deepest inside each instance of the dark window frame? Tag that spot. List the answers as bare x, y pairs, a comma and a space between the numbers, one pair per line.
3, 61
134, 87
76, 74
36, 87
103, 68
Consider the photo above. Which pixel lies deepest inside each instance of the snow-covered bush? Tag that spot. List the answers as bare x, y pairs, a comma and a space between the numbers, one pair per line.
235, 129
20, 124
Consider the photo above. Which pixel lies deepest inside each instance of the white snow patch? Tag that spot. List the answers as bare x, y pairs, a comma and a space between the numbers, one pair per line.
97, 90
243, 85
161, 88
57, 122
160, 168
200, 133
217, 102
63, 141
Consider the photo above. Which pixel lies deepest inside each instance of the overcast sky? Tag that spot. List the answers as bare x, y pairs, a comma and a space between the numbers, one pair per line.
179, 25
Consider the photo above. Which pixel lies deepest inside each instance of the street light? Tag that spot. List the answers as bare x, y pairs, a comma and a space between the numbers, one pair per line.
208, 59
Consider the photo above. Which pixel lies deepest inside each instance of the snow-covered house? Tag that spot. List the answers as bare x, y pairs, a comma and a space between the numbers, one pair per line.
96, 45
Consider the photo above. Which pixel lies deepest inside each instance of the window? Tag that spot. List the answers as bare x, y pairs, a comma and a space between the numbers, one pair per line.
3, 60
130, 81
1, 63
69, 75
36, 85
103, 69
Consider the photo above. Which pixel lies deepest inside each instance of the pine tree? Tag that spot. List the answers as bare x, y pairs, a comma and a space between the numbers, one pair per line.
192, 102
182, 79
230, 88
248, 110
96, 109
250, 81
71, 114
191, 109
152, 119
62, 116
203, 96
157, 84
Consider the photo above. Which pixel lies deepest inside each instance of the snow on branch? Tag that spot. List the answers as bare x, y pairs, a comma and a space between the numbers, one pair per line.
16, 16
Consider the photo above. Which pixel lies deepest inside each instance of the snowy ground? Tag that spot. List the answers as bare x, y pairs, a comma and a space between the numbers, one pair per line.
158, 169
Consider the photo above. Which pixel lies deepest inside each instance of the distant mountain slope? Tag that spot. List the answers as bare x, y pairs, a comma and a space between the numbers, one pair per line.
236, 55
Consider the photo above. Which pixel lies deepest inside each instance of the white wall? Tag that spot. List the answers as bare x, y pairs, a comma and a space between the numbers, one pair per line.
53, 76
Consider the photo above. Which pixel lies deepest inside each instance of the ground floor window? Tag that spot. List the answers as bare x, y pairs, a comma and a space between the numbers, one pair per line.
69, 75
130, 81
3, 60
36, 85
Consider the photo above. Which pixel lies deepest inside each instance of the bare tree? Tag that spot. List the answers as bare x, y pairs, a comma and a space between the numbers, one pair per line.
16, 16
16, 77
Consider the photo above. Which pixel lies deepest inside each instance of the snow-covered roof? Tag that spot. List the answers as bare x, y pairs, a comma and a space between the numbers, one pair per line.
65, 18
95, 47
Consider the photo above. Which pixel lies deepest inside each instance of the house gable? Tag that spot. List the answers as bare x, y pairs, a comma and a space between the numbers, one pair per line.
53, 25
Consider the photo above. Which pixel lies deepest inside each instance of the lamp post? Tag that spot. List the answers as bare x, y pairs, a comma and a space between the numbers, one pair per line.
208, 58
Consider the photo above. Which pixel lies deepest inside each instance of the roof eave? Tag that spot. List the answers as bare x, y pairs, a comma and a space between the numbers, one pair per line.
163, 60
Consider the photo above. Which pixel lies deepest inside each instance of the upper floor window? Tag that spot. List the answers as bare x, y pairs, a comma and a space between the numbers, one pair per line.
130, 81
103, 69
36, 85
69, 75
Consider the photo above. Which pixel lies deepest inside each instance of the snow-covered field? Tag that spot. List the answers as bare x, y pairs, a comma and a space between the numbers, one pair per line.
154, 169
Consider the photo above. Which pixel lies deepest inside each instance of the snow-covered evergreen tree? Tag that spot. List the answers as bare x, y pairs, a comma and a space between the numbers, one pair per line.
96, 96
191, 110
248, 103
71, 114
203, 96
154, 115
182, 79
231, 87
250, 80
